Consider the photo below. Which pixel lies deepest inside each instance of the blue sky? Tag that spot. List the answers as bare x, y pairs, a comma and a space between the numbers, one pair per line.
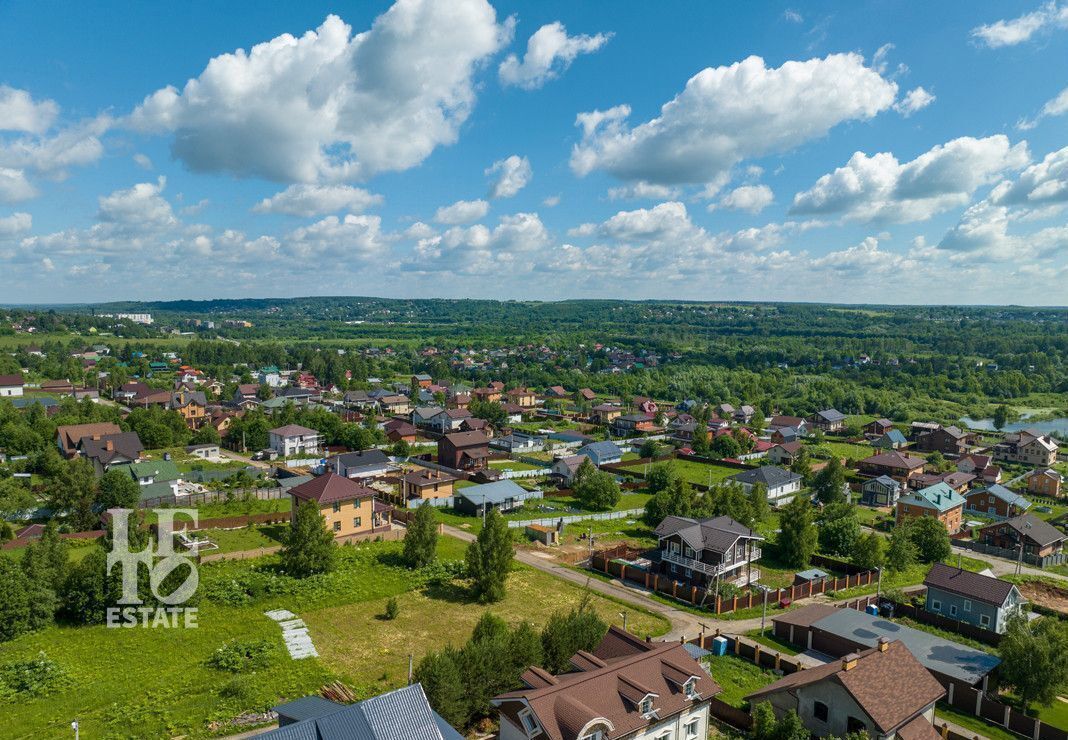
870, 152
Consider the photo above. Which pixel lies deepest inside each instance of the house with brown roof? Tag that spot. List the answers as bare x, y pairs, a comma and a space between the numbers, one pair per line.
107, 450
980, 600
398, 430
883, 692
556, 391
893, 464
1045, 482
788, 422
59, 387
464, 450
11, 386
68, 437
293, 439
423, 484
606, 413
949, 440
349, 509
522, 397
625, 688
1037, 538
877, 428
980, 466
1027, 447
192, 406
587, 394
784, 453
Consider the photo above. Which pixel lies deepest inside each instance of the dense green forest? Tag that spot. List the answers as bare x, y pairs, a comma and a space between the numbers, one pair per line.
899, 361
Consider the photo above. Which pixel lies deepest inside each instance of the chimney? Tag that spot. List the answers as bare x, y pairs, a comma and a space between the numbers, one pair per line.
883, 644
849, 662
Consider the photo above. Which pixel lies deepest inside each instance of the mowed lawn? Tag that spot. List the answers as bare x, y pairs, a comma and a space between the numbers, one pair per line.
144, 682
702, 473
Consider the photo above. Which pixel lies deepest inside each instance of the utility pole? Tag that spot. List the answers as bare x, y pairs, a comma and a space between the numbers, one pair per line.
1019, 559
410, 669
879, 586
764, 612
624, 615
74, 726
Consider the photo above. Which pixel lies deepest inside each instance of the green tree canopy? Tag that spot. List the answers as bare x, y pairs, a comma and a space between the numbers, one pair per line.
421, 539
798, 536
489, 558
309, 548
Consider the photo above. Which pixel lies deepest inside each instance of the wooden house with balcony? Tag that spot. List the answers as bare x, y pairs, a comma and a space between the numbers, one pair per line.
700, 551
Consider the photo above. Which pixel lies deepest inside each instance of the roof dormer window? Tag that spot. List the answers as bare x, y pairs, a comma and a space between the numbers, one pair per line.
646, 706
690, 687
530, 723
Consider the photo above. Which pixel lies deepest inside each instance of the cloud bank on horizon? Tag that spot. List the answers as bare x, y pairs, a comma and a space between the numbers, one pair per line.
460, 148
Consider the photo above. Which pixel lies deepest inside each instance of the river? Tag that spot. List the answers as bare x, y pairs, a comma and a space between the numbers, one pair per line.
1056, 427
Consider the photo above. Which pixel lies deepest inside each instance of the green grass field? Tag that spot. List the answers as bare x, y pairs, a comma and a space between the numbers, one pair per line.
156, 683
738, 678
702, 473
847, 450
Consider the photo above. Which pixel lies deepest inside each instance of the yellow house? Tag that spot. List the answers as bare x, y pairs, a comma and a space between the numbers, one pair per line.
426, 484
350, 510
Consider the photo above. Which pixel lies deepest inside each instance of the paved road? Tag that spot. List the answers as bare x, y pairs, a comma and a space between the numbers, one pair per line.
684, 624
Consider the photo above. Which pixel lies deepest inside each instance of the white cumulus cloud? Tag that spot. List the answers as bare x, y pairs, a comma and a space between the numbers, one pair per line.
915, 99
333, 105
1058, 106
14, 187
512, 175
142, 205
726, 114
462, 212
550, 51
1017, 30
20, 112
1043, 183
751, 198
317, 200
878, 187
16, 223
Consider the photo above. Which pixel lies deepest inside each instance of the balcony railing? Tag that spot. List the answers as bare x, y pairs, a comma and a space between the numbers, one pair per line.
710, 569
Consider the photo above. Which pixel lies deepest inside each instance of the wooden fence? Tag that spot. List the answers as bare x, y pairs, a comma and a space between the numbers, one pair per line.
612, 562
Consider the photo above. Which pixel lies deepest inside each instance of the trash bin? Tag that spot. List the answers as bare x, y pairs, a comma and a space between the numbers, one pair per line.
872, 609
719, 646
887, 609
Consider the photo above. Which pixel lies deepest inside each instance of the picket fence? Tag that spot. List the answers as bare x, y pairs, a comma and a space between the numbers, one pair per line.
552, 521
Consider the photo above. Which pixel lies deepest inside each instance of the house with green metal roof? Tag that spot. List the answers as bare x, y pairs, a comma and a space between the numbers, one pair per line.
939, 501
153, 471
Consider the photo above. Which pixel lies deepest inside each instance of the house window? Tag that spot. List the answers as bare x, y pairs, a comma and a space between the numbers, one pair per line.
854, 725
936, 605
529, 723
693, 727
337, 526
984, 620
967, 605
356, 521
337, 506
647, 705
952, 610
819, 711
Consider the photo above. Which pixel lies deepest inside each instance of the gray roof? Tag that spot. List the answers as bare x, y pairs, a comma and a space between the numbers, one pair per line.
830, 415
493, 493
403, 713
717, 535
771, 476
884, 480
987, 589
361, 459
1009, 497
1031, 527
937, 655
601, 450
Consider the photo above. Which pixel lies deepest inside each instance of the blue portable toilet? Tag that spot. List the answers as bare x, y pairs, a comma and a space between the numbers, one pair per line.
719, 646
872, 609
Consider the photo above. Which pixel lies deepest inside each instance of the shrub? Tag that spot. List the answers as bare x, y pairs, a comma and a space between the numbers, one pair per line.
238, 657
392, 608
33, 677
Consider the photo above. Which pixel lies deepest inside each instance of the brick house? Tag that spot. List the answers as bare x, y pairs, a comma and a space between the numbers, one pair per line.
997, 501
1038, 538
422, 484
949, 440
1045, 482
938, 501
349, 509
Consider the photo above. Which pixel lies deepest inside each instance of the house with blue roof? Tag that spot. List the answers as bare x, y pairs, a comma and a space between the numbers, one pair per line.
892, 440
402, 713
503, 495
939, 501
996, 501
601, 453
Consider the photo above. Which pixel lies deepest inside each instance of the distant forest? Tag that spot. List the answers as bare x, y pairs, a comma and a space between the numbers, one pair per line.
904, 362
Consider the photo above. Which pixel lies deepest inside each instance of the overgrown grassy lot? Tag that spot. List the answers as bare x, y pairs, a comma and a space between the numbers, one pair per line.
142, 682
696, 472
738, 677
